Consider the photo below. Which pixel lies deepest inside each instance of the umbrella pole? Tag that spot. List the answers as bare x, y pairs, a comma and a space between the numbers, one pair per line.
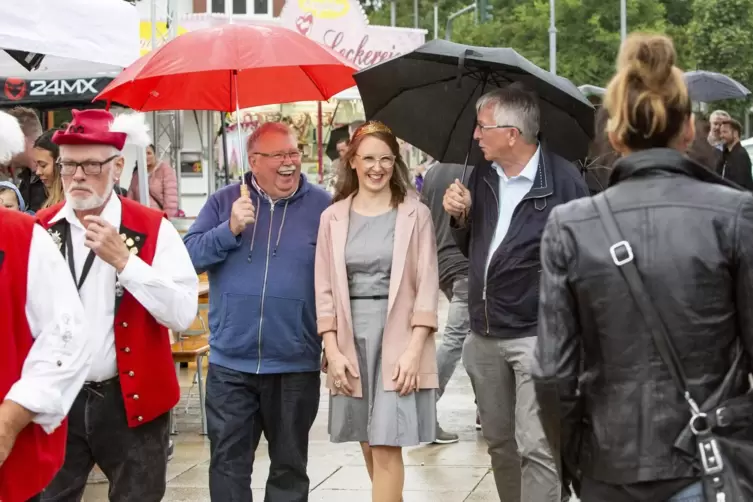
223, 133
319, 152
242, 159
473, 132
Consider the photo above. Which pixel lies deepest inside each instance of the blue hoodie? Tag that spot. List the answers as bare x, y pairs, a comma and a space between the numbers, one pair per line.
262, 315
21, 202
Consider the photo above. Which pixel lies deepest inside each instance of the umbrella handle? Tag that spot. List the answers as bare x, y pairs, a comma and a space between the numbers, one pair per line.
244, 189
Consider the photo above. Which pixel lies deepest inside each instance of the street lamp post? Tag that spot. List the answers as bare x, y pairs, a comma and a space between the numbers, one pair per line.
552, 39
623, 20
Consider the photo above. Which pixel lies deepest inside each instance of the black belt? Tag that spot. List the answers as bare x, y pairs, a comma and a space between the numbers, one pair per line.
102, 384
372, 297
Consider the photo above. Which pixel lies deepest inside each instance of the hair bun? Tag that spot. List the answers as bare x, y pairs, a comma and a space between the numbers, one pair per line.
648, 58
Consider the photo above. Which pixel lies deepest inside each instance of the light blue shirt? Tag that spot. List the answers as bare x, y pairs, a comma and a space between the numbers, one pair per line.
511, 192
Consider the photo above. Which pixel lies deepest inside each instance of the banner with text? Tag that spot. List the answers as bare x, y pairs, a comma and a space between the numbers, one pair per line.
343, 26
50, 93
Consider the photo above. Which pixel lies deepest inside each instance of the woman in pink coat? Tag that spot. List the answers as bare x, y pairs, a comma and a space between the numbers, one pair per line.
376, 306
163, 185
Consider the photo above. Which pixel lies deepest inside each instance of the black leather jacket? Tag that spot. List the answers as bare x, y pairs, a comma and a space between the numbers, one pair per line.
597, 369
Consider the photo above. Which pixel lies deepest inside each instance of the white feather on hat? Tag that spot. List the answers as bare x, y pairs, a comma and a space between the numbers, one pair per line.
12, 140
134, 126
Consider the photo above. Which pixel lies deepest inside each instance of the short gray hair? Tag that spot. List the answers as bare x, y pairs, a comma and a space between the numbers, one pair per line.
268, 128
514, 106
719, 113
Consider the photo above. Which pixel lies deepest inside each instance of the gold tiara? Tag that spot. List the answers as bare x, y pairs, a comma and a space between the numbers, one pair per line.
371, 127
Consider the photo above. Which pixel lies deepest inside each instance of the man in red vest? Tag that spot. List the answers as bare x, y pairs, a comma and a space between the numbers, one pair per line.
44, 351
136, 280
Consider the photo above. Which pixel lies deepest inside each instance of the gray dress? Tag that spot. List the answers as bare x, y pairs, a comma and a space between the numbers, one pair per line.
380, 418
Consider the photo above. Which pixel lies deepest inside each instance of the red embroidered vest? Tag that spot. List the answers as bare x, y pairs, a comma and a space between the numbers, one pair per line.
145, 361
36, 456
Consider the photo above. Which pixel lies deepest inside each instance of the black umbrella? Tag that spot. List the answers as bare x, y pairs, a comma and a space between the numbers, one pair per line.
428, 97
707, 86
335, 136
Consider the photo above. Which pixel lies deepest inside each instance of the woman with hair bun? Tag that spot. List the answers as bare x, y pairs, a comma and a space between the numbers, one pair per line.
598, 372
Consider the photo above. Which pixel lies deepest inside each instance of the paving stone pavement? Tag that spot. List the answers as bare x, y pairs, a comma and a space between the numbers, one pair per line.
447, 473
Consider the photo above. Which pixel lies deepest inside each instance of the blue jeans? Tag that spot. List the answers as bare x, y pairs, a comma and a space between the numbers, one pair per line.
242, 406
692, 493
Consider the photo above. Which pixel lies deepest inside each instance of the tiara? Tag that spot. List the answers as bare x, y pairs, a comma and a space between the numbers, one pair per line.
371, 127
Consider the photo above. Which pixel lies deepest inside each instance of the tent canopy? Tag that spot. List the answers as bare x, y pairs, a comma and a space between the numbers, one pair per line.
99, 31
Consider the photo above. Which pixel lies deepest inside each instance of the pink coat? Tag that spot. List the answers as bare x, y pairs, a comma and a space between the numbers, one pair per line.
413, 294
163, 189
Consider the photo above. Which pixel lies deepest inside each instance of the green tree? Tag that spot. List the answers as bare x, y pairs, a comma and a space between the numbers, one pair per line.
379, 14
588, 33
679, 17
721, 31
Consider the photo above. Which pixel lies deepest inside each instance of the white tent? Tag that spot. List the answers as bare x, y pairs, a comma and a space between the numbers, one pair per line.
89, 37
55, 67
99, 31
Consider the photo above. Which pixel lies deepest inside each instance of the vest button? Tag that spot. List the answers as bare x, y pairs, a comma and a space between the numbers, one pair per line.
125, 324
140, 419
127, 349
131, 373
135, 397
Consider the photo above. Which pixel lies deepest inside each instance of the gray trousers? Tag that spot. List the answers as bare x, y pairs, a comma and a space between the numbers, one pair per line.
522, 461
456, 330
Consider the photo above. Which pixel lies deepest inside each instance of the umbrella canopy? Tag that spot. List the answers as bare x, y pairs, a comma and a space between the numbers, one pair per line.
428, 98
338, 134
707, 86
199, 71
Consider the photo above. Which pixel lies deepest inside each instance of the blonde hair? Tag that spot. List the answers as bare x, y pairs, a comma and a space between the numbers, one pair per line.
647, 100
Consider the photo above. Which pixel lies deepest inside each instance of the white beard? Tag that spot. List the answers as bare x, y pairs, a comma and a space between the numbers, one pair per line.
93, 201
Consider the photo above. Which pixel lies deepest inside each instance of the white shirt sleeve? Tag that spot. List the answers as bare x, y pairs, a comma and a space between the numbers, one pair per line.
169, 288
59, 360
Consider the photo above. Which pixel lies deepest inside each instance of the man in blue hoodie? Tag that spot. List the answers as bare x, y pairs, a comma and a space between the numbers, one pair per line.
264, 365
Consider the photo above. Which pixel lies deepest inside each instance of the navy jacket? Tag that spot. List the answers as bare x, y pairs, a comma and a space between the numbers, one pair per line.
505, 304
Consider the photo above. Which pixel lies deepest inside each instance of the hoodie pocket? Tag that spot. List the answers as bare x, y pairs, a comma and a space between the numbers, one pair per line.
239, 324
282, 336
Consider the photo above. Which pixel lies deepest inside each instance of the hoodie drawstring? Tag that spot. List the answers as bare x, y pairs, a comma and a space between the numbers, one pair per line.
271, 221
282, 224
253, 233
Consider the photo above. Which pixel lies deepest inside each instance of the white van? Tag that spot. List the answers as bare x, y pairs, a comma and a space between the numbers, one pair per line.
748, 145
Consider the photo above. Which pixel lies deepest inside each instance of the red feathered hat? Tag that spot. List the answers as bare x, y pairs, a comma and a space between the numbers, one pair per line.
91, 127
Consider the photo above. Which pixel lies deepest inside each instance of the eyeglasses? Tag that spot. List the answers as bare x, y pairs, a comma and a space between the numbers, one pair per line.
385, 162
483, 127
279, 157
90, 167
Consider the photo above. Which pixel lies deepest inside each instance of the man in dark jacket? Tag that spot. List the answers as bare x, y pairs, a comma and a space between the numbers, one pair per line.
498, 222
453, 279
735, 164
22, 165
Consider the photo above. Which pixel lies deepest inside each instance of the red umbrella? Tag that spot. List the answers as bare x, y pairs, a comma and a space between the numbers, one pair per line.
199, 71
230, 67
